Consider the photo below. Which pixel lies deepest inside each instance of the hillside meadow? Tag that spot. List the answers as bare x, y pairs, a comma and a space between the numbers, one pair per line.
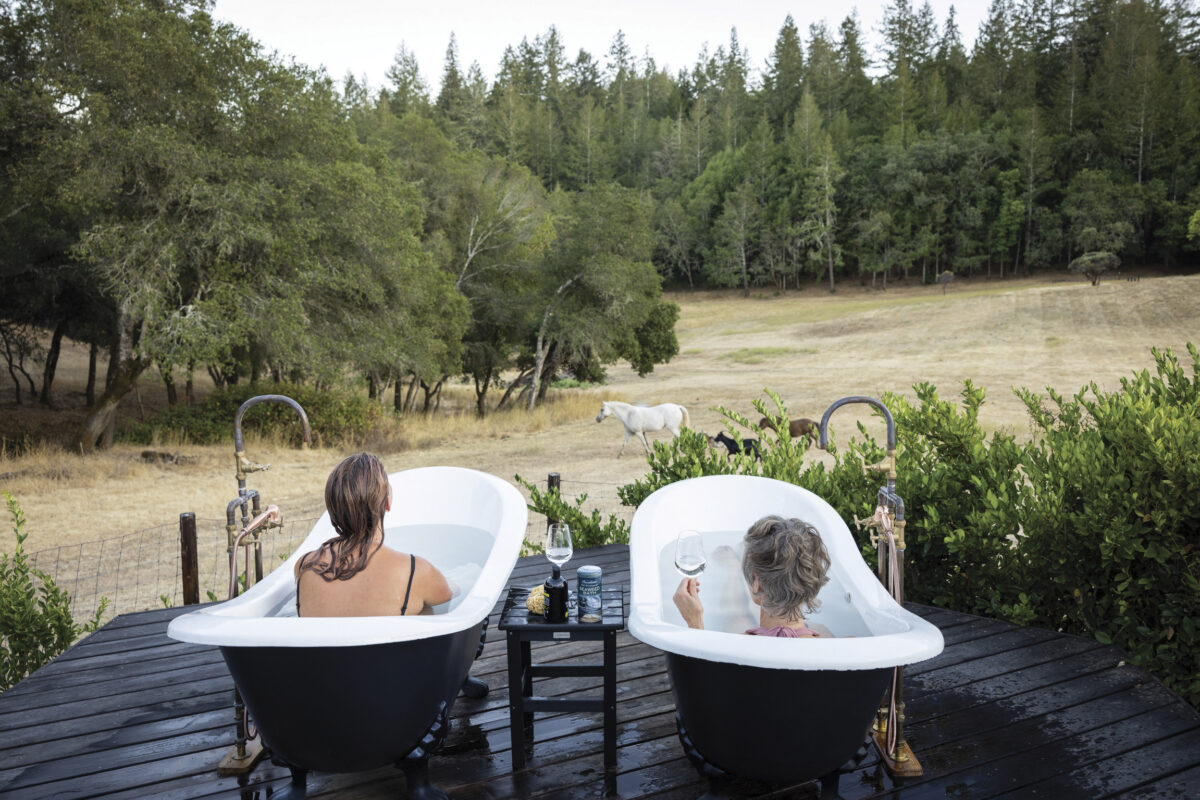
811, 347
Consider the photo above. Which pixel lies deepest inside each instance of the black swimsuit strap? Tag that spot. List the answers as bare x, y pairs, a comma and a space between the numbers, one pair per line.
412, 570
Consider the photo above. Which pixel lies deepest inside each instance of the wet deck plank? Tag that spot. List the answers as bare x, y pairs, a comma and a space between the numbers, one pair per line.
1003, 712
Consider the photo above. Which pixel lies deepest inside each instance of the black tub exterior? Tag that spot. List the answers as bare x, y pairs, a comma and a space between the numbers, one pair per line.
347, 709
774, 725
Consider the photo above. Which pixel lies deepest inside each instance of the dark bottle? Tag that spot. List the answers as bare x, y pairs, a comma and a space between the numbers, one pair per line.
556, 597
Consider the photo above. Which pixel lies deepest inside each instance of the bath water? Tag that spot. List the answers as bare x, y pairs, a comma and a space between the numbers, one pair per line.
458, 551
726, 597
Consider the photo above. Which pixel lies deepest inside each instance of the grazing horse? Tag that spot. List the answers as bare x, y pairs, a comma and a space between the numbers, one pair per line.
639, 419
733, 446
796, 427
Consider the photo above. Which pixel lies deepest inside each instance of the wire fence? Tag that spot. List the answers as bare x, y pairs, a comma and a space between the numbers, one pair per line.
143, 570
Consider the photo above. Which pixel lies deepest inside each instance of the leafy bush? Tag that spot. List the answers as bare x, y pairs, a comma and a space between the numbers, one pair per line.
334, 415
960, 490
35, 614
1093, 528
1112, 518
587, 530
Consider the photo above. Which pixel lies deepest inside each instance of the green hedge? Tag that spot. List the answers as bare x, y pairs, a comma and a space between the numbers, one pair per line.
36, 623
334, 415
1091, 528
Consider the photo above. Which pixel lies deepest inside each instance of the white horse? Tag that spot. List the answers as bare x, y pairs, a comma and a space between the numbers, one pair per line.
639, 419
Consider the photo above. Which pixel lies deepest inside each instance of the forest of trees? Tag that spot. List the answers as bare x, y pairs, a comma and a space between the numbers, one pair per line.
179, 200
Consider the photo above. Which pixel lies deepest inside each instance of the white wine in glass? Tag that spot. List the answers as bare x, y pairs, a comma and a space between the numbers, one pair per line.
689, 554
558, 543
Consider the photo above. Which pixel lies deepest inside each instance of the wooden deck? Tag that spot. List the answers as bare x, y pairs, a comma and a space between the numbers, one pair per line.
1004, 712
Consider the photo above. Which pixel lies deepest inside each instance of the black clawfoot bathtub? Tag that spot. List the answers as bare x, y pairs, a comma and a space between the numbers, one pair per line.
356, 693
780, 711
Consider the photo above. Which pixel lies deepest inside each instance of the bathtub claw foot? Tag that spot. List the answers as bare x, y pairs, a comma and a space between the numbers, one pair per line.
419, 787
297, 788
474, 688
829, 786
720, 782
416, 763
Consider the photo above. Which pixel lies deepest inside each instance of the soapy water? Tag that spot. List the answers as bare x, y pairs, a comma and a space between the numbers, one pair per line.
458, 551
727, 603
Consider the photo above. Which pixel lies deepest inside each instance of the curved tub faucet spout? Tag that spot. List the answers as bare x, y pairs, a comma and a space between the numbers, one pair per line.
238, 444
871, 401
244, 465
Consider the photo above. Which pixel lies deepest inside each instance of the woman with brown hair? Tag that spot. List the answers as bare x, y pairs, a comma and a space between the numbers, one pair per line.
355, 574
785, 564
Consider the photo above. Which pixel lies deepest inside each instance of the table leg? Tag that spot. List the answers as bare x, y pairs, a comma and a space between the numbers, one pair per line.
516, 700
610, 701
527, 684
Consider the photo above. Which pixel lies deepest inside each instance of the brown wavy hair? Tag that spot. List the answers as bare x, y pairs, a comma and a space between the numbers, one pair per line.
791, 564
356, 496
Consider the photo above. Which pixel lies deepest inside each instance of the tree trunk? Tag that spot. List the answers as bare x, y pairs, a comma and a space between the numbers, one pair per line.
9, 356
551, 369
398, 396
539, 362
99, 423
372, 386
745, 277
168, 376
52, 360
410, 399
481, 390
189, 387
517, 381
542, 346
113, 360
89, 393
101, 420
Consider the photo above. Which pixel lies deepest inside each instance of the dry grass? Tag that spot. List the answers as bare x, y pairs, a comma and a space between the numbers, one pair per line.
814, 348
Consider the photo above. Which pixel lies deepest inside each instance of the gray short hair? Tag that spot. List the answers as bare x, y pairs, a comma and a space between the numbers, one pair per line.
791, 564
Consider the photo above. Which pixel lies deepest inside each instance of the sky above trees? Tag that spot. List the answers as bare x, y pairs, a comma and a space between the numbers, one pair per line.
362, 36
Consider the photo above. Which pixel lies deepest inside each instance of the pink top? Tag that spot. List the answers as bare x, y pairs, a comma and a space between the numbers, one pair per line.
783, 632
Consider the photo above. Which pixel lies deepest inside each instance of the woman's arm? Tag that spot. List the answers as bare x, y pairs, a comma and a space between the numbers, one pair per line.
430, 584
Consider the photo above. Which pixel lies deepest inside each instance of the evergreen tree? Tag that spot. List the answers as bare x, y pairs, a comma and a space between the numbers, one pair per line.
783, 80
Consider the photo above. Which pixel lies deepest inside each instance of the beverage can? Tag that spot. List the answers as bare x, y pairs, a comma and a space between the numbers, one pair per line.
588, 585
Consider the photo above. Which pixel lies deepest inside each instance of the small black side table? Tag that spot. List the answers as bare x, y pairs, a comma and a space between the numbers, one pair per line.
521, 628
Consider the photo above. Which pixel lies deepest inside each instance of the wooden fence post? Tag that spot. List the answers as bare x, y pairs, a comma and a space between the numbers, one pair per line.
188, 558
553, 481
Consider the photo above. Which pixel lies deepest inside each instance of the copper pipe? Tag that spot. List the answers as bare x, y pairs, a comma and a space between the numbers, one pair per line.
270, 516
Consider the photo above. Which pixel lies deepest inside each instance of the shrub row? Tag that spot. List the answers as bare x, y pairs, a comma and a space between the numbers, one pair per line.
36, 623
334, 415
1092, 528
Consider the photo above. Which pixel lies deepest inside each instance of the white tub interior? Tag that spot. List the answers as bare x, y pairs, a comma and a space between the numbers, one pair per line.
726, 596
468, 524
872, 630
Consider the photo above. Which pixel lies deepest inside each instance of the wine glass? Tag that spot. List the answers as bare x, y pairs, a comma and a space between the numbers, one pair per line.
558, 544
689, 553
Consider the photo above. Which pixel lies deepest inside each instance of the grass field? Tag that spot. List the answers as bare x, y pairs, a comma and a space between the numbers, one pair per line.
810, 346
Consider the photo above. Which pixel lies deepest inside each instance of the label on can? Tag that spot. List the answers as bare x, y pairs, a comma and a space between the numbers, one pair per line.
588, 586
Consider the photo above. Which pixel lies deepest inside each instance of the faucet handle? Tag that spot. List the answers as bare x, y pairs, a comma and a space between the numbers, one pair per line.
245, 466
886, 466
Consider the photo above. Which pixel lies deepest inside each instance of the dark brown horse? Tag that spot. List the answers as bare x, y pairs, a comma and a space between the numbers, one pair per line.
796, 427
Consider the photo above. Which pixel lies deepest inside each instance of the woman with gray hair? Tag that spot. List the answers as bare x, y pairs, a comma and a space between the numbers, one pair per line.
785, 564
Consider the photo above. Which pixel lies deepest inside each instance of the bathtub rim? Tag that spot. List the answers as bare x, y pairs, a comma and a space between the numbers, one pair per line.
915, 639
241, 622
